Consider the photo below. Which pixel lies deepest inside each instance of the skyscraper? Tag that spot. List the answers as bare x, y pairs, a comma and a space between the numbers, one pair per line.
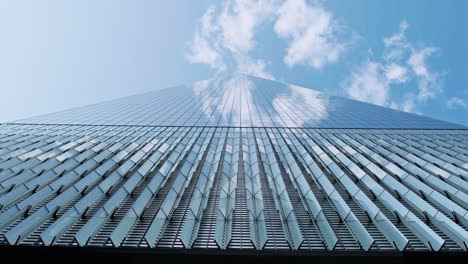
235, 162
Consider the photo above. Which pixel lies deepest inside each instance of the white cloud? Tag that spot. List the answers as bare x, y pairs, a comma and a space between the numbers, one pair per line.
429, 87
225, 36
238, 23
399, 39
397, 46
368, 84
409, 103
428, 82
417, 60
401, 63
239, 20
455, 102
312, 32
397, 73
253, 67
230, 33
203, 47
203, 52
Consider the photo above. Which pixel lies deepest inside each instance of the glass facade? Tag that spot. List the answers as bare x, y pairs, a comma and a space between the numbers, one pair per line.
240, 101
235, 162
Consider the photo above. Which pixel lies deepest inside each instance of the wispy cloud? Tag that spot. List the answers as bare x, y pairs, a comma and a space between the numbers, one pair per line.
226, 35
401, 63
239, 21
456, 102
204, 47
396, 73
428, 82
256, 67
313, 34
397, 45
225, 38
368, 83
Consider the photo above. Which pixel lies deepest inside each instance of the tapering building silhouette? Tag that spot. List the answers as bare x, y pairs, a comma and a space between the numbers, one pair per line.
235, 162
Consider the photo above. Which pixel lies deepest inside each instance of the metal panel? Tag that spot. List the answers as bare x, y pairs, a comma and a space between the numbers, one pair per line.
243, 163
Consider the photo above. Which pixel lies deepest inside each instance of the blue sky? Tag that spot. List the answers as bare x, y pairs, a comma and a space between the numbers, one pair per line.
409, 55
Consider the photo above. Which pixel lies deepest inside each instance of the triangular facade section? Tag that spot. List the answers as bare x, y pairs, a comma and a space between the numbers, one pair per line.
240, 100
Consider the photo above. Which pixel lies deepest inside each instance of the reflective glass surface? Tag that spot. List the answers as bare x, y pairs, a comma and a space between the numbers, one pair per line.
240, 101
